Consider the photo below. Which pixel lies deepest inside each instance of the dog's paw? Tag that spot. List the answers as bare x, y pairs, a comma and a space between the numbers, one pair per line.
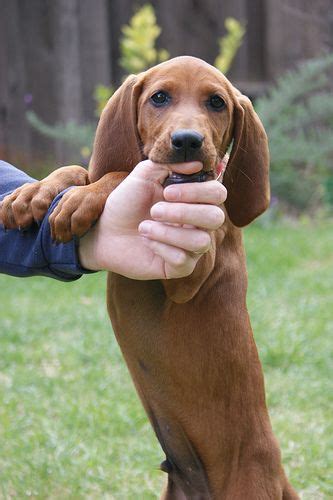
30, 202
26, 205
76, 213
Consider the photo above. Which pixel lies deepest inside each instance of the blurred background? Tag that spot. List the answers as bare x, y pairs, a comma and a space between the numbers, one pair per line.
61, 59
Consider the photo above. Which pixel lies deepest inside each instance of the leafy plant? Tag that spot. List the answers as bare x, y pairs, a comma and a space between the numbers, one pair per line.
137, 45
137, 48
298, 117
80, 136
138, 53
102, 94
229, 44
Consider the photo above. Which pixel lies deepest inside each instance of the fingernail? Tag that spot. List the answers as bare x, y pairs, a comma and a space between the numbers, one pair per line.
144, 228
173, 193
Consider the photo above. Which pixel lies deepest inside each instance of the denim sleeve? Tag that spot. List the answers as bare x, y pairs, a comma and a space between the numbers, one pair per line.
32, 252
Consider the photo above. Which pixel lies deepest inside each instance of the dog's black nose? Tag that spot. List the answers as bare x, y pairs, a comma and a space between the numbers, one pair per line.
186, 142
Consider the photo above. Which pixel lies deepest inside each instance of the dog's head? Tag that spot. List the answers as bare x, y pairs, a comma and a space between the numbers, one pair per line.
186, 110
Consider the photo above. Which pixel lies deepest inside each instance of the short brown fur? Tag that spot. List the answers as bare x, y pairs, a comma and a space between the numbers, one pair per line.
188, 342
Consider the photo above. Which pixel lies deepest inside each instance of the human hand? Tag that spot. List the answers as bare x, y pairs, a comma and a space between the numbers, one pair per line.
147, 232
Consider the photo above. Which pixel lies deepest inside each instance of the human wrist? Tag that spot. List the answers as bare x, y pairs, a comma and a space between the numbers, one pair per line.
87, 252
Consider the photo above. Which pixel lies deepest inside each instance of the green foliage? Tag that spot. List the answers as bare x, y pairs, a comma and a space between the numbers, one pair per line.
229, 44
137, 45
81, 136
72, 426
102, 94
137, 49
138, 53
298, 117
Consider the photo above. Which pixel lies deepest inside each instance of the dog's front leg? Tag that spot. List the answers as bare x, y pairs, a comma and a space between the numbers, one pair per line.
30, 202
82, 206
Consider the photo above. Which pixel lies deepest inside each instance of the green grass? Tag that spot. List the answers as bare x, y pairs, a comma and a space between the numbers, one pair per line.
71, 425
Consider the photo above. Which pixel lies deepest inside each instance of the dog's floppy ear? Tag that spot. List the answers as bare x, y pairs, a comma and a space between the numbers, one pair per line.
247, 173
117, 143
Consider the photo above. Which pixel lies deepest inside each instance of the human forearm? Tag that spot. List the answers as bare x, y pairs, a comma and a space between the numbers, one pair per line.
32, 252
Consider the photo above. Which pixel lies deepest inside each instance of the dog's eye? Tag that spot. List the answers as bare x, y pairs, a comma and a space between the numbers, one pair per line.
216, 102
160, 98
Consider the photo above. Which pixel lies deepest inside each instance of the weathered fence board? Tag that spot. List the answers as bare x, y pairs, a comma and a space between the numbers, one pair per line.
54, 52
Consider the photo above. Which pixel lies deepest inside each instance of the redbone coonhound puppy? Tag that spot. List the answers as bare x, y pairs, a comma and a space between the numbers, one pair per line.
188, 342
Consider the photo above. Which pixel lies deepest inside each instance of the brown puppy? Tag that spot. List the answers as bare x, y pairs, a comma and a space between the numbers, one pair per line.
188, 342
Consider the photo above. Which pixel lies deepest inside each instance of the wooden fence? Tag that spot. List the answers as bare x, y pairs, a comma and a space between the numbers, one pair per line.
54, 52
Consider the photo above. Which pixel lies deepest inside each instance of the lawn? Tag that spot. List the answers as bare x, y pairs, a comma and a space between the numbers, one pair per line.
71, 426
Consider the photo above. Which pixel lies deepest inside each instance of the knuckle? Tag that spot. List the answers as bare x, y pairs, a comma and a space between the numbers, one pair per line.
66, 197
78, 225
216, 217
30, 185
178, 274
189, 269
27, 190
7, 199
219, 193
27, 186
222, 193
39, 204
185, 269
76, 197
202, 242
144, 166
19, 207
47, 193
182, 212
7, 203
161, 231
158, 210
180, 259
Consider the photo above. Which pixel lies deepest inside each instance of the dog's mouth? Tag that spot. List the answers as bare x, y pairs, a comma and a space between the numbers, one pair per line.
175, 178
202, 176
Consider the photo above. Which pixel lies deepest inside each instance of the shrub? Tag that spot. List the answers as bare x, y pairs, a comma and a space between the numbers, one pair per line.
80, 136
229, 44
298, 116
297, 113
138, 53
137, 45
102, 94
